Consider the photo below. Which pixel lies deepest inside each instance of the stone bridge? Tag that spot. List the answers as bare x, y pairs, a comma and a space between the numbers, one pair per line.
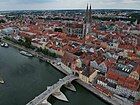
42, 98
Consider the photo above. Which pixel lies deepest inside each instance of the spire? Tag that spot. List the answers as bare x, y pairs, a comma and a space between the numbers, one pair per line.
87, 14
90, 6
87, 10
90, 13
87, 6
87, 21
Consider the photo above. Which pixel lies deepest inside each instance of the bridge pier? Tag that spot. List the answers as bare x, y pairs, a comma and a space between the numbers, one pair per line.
70, 86
52, 90
59, 95
45, 102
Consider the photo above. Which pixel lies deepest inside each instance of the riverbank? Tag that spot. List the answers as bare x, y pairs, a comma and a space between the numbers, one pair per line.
53, 62
87, 86
15, 45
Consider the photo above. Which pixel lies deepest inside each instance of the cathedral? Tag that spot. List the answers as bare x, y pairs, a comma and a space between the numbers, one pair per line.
87, 21
81, 29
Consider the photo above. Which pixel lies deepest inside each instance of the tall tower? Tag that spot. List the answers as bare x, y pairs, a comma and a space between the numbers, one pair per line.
90, 14
86, 18
87, 21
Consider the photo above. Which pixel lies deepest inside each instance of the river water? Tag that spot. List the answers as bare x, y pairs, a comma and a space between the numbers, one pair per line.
26, 78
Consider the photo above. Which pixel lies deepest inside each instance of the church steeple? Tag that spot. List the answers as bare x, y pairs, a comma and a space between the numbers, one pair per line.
87, 7
87, 21
90, 13
86, 15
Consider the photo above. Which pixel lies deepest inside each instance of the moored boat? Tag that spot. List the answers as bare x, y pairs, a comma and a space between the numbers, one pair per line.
26, 53
4, 45
1, 80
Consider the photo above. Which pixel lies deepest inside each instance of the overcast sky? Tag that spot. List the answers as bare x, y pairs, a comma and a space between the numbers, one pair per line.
67, 4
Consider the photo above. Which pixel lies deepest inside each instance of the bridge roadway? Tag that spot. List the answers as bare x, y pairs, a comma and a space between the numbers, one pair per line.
37, 100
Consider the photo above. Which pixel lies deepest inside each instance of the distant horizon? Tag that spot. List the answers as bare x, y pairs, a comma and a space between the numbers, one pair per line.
69, 9
7, 5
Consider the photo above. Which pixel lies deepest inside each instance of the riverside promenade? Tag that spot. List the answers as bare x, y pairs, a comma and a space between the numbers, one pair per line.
54, 62
88, 86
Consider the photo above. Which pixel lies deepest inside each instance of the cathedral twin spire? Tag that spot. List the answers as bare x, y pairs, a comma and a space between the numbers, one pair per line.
88, 17
87, 21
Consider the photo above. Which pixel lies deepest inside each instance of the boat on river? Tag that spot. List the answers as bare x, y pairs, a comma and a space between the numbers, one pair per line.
26, 53
4, 45
1, 80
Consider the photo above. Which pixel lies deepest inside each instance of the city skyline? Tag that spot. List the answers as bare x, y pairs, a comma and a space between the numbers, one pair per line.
67, 4
70, 52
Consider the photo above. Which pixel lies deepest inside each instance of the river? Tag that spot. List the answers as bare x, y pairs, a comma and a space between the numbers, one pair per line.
25, 78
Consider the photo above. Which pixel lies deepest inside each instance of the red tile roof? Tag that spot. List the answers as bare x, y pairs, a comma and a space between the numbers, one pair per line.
137, 102
68, 58
86, 61
132, 83
127, 82
112, 75
102, 78
138, 68
125, 46
103, 90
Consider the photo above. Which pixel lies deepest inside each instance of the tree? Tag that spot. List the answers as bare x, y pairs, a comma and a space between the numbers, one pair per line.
2, 21
27, 42
58, 30
45, 51
39, 49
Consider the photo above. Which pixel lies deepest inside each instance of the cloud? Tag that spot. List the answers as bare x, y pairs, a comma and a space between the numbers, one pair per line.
67, 4
21, 2
34, 1
117, 4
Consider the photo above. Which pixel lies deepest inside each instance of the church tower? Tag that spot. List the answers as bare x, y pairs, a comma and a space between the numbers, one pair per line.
87, 21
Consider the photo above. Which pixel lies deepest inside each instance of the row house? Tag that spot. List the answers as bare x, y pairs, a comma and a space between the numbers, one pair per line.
74, 29
69, 62
99, 64
126, 87
88, 75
